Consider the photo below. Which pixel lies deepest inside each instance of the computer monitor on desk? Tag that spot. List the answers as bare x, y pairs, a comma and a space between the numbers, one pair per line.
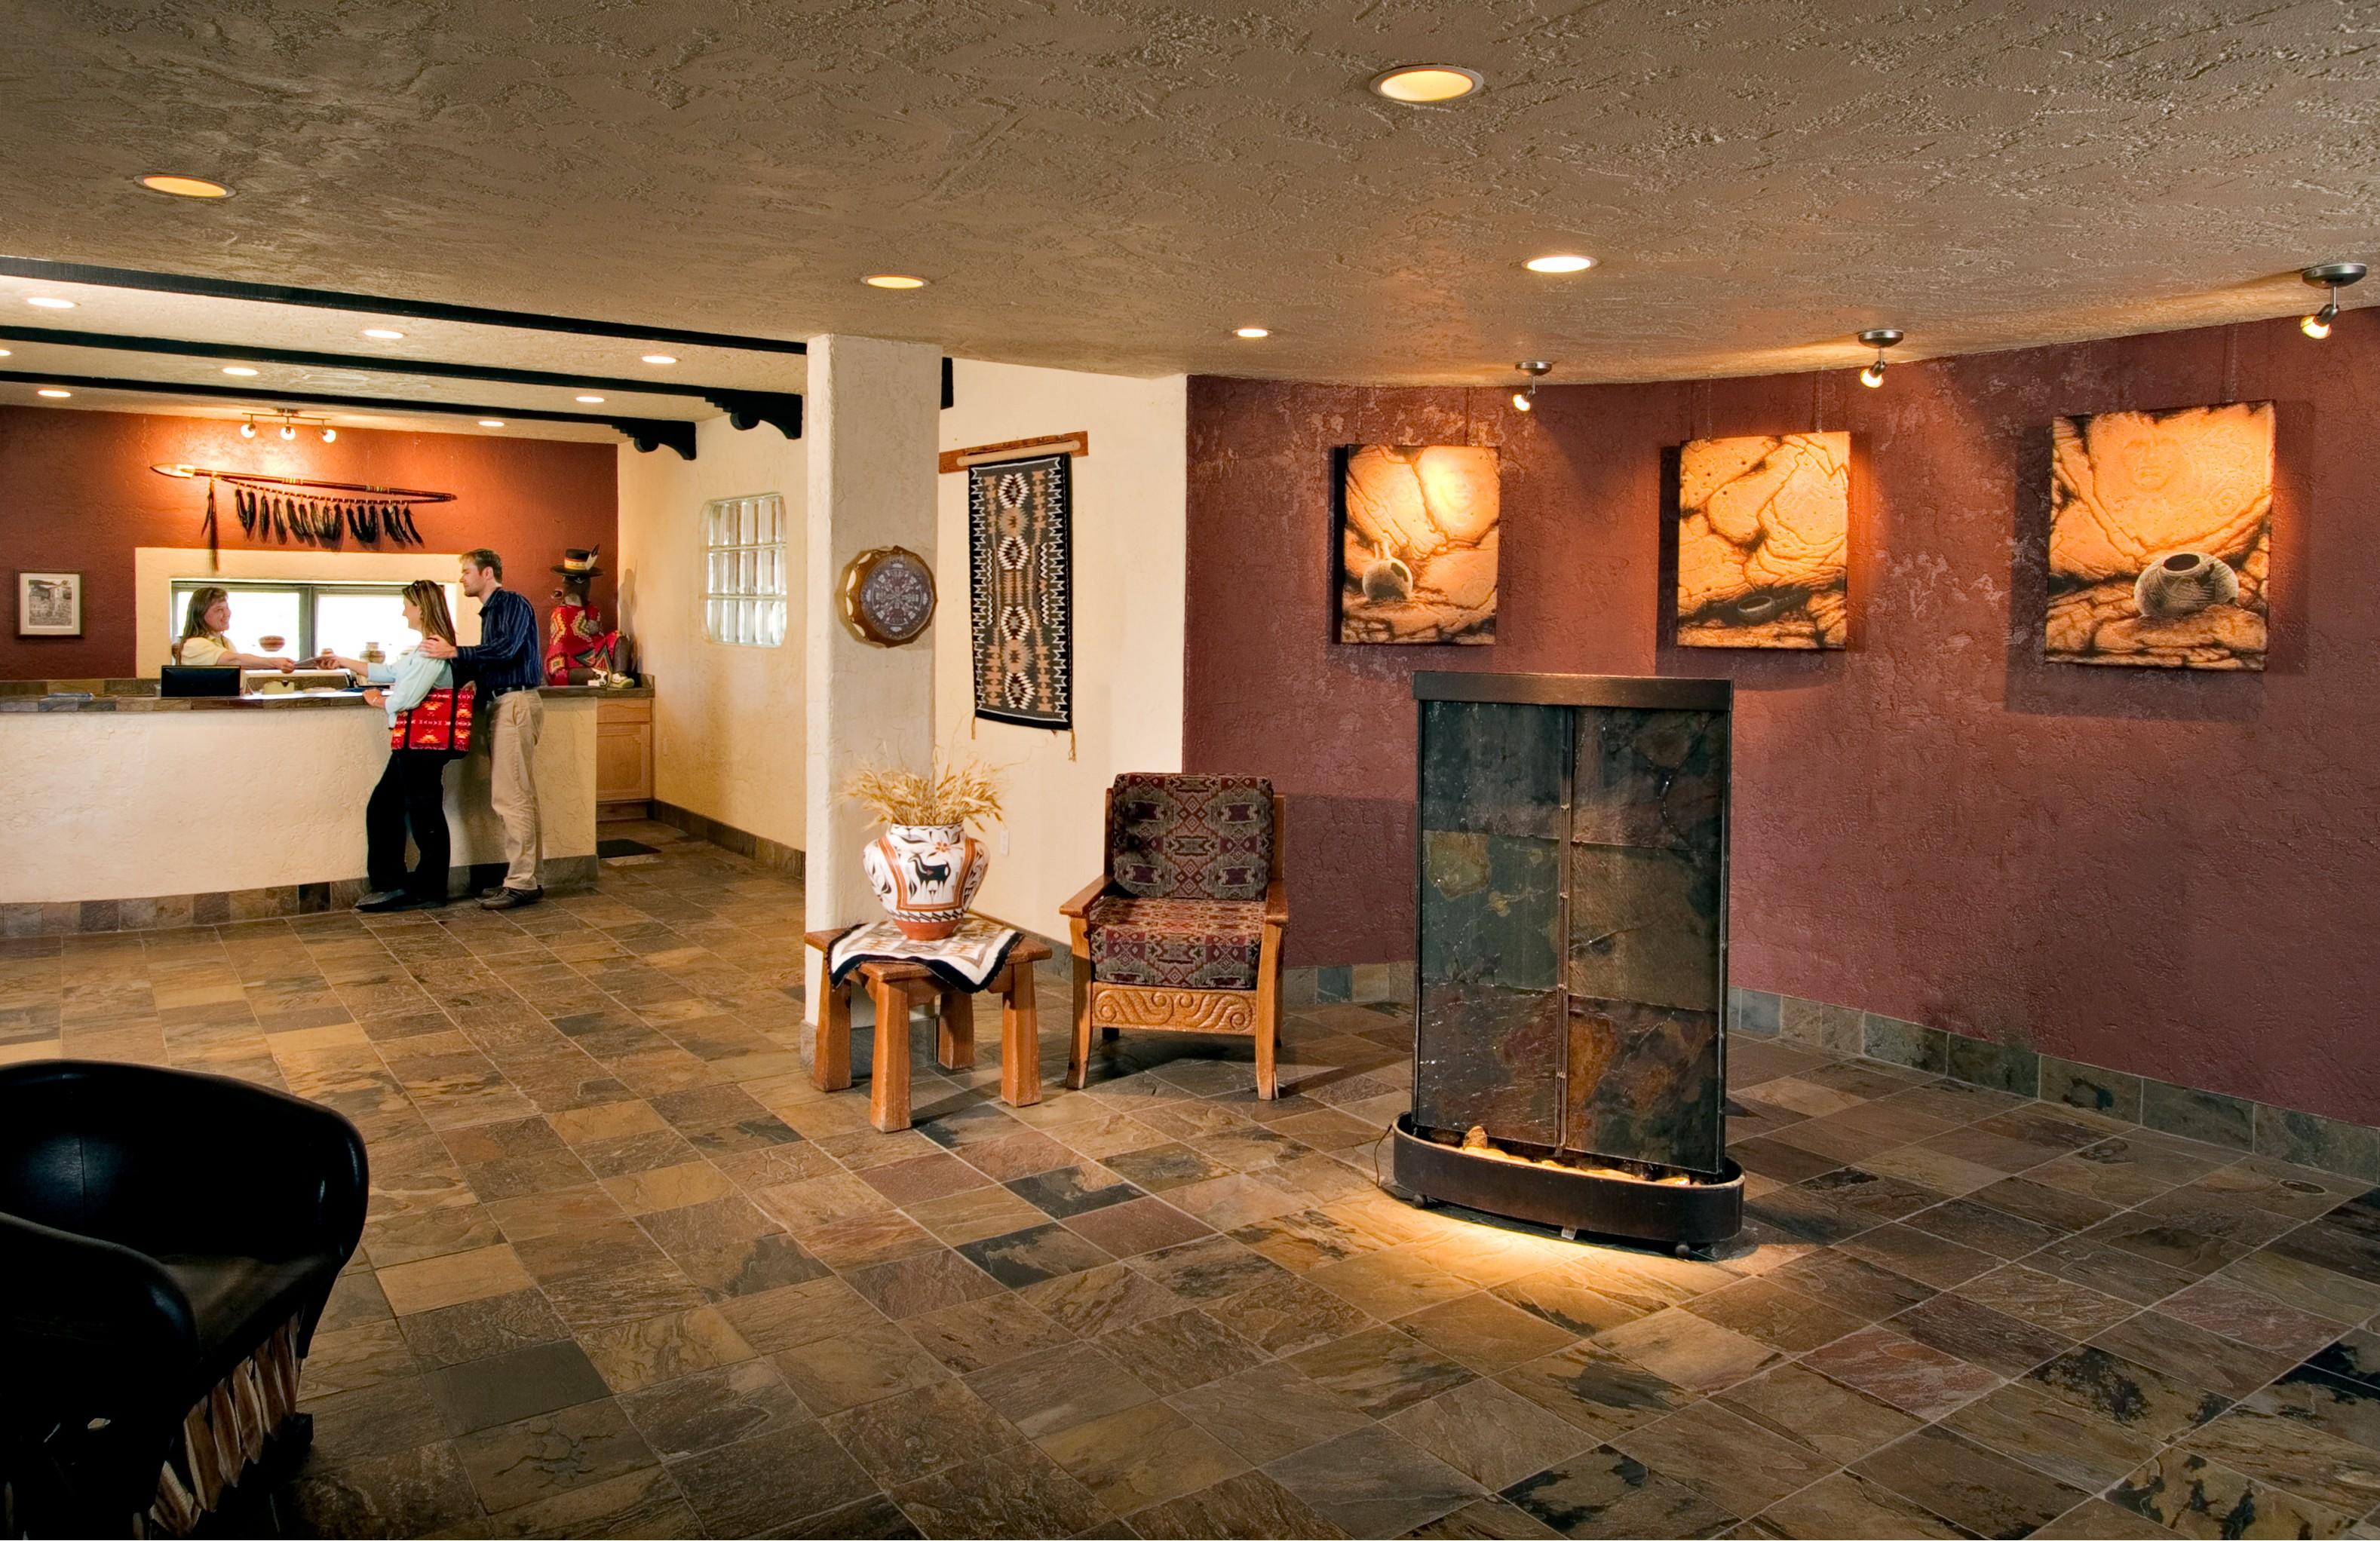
174, 679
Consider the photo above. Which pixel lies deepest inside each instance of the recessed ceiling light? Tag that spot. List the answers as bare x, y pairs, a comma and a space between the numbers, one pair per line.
49, 302
241, 369
894, 281
661, 358
384, 333
5, 354
184, 187
54, 393
1420, 84
592, 400
1252, 332
492, 423
1560, 264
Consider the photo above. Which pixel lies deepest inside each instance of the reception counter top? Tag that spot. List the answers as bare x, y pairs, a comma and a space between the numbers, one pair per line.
127, 810
121, 696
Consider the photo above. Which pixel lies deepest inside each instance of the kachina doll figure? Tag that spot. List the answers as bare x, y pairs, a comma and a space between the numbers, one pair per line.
577, 650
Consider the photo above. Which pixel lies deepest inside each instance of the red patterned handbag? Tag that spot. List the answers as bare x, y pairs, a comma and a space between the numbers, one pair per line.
443, 720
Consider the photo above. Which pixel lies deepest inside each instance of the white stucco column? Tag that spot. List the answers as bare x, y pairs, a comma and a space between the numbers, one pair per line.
870, 418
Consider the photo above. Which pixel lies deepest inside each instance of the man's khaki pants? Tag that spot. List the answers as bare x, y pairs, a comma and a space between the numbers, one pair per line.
512, 783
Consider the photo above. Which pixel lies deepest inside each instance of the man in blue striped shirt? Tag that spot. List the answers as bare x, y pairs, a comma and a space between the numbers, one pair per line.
508, 667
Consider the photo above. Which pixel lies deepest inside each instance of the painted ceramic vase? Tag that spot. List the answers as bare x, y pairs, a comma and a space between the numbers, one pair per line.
925, 875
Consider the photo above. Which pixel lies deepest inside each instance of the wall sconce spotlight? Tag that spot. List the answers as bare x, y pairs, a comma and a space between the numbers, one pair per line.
2333, 276
247, 429
1525, 398
329, 435
288, 431
1878, 338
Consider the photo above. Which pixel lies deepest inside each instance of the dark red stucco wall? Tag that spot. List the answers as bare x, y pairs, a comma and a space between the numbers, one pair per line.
77, 495
2170, 874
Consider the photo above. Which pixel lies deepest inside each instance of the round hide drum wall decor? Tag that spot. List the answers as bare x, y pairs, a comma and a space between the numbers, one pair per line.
888, 596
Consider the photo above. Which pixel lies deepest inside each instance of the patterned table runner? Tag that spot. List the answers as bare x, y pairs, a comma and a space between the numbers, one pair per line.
968, 960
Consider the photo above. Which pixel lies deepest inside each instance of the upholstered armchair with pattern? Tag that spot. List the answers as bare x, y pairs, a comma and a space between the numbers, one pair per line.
1182, 933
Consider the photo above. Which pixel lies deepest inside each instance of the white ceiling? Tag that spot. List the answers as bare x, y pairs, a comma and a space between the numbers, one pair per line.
1114, 185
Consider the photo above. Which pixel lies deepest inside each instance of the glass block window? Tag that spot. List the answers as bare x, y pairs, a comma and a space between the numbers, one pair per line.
744, 566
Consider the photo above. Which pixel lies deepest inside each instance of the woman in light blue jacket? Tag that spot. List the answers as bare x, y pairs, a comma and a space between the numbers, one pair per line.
412, 790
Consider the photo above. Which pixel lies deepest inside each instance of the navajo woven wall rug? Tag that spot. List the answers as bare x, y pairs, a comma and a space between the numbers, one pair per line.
1020, 548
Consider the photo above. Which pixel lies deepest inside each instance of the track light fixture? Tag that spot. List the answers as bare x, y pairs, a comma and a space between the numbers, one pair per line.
1878, 338
289, 420
1525, 398
2333, 276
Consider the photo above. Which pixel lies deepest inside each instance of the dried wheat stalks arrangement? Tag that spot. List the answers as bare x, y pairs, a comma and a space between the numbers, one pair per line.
939, 794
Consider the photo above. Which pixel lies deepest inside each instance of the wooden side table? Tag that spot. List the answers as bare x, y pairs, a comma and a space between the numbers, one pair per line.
894, 985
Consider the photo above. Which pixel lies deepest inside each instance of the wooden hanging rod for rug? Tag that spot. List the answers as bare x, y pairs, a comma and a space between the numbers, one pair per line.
1014, 449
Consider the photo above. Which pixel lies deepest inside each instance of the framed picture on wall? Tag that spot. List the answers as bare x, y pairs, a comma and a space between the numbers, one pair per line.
1416, 544
49, 604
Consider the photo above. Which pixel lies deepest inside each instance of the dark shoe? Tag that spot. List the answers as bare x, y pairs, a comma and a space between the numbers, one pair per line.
511, 898
381, 901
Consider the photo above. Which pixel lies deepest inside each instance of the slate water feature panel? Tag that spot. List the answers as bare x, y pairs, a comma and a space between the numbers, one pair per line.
1650, 778
1644, 970
1488, 1031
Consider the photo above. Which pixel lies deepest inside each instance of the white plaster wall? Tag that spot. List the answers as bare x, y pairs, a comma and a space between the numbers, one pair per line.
1130, 520
871, 413
136, 805
727, 721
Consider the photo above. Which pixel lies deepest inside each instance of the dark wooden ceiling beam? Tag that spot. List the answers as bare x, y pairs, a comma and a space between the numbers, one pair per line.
780, 409
646, 433
375, 363
379, 305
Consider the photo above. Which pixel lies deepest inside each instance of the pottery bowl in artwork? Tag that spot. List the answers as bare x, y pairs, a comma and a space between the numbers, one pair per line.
925, 875
2183, 583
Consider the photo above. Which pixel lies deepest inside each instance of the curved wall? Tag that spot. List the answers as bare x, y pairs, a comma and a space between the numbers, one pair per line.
2169, 874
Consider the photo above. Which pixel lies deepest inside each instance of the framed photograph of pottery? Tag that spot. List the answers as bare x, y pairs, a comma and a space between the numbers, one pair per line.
2160, 537
1764, 536
1415, 544
49, 604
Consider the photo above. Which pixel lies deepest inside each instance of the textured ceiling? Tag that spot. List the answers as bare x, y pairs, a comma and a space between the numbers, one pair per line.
1114, 186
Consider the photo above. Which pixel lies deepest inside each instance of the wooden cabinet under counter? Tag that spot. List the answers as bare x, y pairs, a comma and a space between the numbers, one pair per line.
623, 756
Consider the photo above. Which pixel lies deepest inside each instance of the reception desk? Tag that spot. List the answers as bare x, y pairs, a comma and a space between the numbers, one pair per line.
125, 811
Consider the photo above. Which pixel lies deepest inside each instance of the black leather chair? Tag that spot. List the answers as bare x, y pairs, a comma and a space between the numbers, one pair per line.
167, 1244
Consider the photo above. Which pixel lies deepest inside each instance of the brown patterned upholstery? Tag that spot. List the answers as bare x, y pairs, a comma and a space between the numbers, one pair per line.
1186, 943
1191, 837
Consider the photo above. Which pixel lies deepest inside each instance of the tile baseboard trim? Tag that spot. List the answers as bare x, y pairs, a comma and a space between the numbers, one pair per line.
773, 854
1351, 984
2214, 1118
67, 917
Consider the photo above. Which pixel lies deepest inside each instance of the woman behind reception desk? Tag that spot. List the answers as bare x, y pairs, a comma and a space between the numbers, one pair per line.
203, 644
412, 786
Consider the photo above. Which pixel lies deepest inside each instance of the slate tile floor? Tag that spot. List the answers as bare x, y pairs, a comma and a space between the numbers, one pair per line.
626, 1272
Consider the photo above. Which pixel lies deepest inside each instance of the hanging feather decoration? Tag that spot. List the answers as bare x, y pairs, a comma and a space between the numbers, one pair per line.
271, 507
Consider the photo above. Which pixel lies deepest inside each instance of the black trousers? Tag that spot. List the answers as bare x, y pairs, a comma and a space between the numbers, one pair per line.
412, 792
